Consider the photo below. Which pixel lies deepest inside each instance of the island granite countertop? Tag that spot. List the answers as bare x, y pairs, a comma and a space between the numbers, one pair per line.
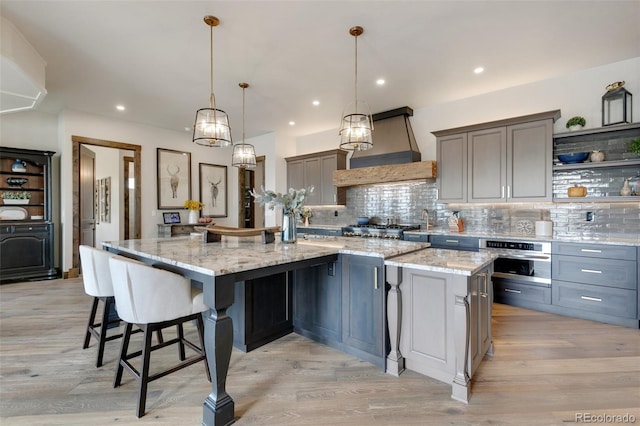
238, 254
443, 260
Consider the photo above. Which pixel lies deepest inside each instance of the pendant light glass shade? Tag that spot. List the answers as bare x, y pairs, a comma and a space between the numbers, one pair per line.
356, 127
244, 155
211, 127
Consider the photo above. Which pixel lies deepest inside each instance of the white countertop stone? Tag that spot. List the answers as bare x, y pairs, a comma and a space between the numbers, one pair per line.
442, 260
237, 254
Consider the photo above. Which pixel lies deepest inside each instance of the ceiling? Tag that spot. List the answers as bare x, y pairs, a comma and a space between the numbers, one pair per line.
154, 56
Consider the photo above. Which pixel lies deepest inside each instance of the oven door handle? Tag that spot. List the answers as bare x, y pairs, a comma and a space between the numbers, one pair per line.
526, 256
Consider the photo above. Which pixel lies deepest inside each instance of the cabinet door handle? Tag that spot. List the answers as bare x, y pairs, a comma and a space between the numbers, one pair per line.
375, 277
590, 251
508, 191
593, 299
335, 199
452, 241
591, 271
502, 192
485, 278
508, 290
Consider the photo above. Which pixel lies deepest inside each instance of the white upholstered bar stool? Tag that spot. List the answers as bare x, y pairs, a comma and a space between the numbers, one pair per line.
153, 299
96, 278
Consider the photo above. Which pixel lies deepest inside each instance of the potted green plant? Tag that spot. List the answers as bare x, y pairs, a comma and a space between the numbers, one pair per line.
15, 197
576, 123
634, 146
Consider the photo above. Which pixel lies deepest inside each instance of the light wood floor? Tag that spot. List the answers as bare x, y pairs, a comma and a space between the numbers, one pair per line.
546, 368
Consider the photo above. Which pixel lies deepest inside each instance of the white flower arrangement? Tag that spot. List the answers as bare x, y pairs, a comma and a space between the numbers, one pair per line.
306, 212
291, 201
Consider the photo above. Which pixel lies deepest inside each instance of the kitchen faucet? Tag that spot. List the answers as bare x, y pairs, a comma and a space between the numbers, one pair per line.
423, 215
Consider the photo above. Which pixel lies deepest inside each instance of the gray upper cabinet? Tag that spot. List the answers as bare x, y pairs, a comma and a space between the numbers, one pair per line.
487, 172
452, 179
317, 170
502, 161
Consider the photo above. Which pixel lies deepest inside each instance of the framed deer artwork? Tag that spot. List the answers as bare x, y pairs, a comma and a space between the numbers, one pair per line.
213, 190
174, 178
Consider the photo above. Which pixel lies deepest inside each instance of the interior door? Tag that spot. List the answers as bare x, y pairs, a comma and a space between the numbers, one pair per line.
87, 196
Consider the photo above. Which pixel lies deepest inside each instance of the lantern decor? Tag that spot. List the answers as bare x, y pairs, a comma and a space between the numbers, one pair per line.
616, 105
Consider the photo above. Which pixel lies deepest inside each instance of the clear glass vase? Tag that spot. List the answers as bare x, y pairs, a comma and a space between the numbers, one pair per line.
288, 234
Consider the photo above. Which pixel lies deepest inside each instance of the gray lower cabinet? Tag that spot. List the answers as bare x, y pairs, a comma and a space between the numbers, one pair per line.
444, 324
454, 242
363, 307
596, 281
341, 304
421, 238
263, 313
317, 300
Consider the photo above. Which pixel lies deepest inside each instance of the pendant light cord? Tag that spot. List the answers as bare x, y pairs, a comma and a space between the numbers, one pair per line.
356, 72
212, 98
244, 87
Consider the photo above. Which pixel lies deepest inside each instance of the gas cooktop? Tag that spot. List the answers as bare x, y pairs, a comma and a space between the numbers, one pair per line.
377, 231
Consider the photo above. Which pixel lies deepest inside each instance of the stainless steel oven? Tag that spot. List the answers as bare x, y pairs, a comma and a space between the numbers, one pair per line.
522, 261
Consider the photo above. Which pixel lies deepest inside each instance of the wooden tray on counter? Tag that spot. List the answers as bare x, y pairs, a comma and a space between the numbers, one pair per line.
213, 233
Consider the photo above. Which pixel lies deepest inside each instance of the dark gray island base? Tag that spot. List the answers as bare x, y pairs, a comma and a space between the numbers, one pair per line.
217, 267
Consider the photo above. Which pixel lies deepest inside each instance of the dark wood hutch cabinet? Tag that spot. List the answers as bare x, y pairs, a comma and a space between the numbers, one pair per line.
26, 230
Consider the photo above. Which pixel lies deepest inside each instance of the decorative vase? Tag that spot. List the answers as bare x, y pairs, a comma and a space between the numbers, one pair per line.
19, 166
15, 201
288, 234
194, 215
575, 127
597, 156
625, 191
306, 221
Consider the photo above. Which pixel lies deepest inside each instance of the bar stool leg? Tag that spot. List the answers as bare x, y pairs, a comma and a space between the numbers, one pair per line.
108, 301
123, 353
92, 316
181, 353
144, 371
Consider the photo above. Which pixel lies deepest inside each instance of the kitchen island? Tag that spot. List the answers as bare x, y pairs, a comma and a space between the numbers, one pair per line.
439, 314
218, 266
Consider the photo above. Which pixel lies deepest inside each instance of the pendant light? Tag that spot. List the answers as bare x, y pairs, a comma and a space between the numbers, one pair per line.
356, 125
212, 125
244, 155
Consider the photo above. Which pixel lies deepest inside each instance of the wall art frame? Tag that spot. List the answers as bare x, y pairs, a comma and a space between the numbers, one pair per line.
174, 178
213, 189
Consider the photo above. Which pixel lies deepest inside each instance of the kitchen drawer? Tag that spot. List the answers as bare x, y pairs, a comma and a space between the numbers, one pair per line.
617, 302
454, 242
510, 293
421, 238
594, 250
604, 272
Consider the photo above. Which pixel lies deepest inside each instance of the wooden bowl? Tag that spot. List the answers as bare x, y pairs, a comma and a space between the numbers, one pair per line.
577, 191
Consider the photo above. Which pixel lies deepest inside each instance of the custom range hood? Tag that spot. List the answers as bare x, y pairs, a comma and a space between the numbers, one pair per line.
394, 157
393, 141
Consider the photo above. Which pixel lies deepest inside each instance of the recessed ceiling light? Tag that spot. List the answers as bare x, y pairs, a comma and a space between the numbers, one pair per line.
478, 70
380, 81
292, 123
316, 103
187, 129
120, 107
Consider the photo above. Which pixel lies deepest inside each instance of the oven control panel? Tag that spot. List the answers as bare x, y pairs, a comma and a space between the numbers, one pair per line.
513, 245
